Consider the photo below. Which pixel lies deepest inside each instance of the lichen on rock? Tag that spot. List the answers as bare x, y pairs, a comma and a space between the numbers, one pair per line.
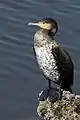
68, 108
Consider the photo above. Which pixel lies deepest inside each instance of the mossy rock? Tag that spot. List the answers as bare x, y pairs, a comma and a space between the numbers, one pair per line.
64, 109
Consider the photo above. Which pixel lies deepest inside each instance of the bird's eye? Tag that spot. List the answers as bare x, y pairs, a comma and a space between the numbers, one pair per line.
43, 22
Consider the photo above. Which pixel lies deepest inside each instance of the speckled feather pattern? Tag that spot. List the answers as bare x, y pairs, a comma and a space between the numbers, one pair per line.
54, 62
45, 58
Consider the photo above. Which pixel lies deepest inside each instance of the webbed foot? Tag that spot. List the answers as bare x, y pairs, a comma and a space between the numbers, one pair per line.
52, 94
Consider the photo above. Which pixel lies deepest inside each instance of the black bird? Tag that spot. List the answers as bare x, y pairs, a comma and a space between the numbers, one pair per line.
54, 62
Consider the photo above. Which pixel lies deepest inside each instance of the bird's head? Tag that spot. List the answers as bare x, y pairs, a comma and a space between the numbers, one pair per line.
47, 24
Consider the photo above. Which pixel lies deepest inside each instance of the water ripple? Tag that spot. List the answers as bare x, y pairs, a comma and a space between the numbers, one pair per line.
18, 68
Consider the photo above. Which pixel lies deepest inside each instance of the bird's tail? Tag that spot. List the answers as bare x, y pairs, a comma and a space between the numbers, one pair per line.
66, 87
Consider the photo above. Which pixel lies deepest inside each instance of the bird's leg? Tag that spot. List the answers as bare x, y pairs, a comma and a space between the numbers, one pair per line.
49, 88
60, 90
49, 84
53, 94
50, 93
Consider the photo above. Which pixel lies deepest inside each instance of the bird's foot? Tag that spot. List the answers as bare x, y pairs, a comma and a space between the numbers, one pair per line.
52, 94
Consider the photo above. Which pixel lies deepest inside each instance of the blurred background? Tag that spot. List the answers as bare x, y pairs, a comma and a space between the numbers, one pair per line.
20, 77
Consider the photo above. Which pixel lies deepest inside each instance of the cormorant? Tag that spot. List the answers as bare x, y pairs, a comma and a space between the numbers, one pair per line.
54, 62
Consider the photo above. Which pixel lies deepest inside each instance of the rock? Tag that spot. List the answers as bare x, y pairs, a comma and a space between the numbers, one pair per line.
68, 108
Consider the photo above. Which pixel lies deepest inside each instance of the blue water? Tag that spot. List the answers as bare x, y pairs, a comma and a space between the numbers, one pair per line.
20, 77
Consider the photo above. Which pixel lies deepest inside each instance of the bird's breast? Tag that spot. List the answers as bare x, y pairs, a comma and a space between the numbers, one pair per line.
47, 62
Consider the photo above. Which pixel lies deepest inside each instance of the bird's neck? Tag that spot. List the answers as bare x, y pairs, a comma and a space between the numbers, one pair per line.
43, 37
47, 32
42, 34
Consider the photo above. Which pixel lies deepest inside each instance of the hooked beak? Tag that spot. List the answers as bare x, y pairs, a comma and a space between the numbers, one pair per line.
36, 24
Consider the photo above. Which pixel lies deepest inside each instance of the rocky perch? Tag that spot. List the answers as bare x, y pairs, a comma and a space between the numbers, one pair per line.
68, 108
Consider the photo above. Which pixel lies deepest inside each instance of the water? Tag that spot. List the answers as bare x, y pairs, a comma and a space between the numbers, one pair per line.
20, 77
